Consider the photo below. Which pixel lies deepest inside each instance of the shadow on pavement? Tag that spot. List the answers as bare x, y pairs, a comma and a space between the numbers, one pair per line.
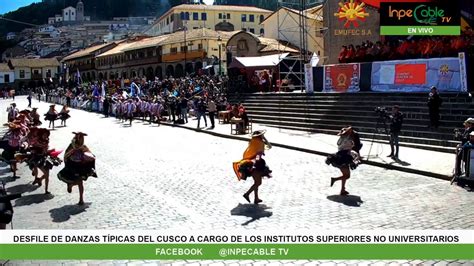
349, 200
5, 171
64, 213
254, 211
400, 162
8, 179
22, 188
33, 199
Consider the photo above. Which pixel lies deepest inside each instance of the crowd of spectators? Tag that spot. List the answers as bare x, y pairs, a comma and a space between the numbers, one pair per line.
414, 48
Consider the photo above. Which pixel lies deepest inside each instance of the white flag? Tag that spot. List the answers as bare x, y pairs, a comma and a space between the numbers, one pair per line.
314, 60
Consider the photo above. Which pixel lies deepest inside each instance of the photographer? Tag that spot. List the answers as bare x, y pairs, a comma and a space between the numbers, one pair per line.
396, 121
434, 103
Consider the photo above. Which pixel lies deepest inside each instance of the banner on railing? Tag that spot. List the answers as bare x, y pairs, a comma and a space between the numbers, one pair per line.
418, 75
342, 78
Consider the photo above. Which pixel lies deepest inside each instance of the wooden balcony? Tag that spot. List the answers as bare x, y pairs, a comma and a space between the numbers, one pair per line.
190, 55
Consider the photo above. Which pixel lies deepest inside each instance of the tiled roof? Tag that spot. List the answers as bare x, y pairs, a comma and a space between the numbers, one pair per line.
4, 68
223, 8
85, 52
198, 34
120, 48
146, 43
274, 45
41, 62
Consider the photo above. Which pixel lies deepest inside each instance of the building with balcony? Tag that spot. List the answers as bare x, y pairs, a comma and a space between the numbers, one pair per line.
38, 69
168, 55
215, 17
84, 60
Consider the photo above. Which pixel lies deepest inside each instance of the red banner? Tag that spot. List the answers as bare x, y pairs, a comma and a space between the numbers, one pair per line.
342, 78
410, 74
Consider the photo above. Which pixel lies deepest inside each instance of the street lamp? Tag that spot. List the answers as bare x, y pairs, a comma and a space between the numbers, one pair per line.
219, 40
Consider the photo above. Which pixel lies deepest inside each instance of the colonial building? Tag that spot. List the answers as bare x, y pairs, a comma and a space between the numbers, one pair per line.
7, 75
168, 55
246, 44
26, 70
70, 14
215, 17
84, 60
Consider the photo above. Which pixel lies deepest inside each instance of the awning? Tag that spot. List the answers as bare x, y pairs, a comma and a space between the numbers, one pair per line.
258, 61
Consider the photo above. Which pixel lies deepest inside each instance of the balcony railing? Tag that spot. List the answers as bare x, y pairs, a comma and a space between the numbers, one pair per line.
190, 55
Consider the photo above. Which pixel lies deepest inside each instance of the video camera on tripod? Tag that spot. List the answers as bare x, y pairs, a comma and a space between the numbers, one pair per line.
6, 207
382, 112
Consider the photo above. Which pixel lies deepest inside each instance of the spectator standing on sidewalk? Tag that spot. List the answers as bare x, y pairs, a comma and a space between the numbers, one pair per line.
434, 103
183, 105
395, 129
201, 112
29, 99
212, 112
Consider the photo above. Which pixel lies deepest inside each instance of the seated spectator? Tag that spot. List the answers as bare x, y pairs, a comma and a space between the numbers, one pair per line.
342, 54
350, 55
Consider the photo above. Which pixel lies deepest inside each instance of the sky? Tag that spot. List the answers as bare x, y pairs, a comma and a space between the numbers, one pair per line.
11, 5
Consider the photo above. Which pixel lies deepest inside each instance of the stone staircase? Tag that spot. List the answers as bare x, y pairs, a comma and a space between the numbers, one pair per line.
328, 113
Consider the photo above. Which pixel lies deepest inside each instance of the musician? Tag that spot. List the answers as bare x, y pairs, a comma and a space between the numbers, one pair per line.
253, 164
79, 165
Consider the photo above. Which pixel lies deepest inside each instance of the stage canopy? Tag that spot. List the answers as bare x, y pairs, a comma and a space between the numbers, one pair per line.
258, 61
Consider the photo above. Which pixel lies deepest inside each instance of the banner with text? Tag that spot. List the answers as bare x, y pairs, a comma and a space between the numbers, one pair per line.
240, 245
342, 78
418, 75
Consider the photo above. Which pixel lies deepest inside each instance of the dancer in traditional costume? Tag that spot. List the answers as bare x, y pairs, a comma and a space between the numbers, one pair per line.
36, 121
64, 115
345, 159
253, 164
14, 139
51, 115
40, 158
130, 110
79, 165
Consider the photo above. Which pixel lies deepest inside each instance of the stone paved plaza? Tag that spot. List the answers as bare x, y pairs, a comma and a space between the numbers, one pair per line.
160, 177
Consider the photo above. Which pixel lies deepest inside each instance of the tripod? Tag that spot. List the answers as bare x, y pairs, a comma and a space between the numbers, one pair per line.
380, 127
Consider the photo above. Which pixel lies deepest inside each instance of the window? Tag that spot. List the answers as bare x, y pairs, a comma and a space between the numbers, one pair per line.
48, 73
6, 78
220, 15
72, 13
204, 16
244, 29
171, 18
228, 15
251, 18
252, 30
262, 18
195, 16
242, 45
195, 28
167, 21
200, 46
174, 50
22, 74
183, 48
184, 15
262, 31
244, 17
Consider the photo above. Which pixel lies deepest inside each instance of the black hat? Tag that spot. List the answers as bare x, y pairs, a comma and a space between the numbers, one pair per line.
79, 133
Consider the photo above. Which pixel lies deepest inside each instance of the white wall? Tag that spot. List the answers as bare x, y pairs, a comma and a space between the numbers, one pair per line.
2, 77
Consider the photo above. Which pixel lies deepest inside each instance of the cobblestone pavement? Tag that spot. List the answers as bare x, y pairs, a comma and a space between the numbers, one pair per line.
159, 177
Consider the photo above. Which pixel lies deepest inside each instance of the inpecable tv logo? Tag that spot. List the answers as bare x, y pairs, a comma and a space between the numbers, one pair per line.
434, 18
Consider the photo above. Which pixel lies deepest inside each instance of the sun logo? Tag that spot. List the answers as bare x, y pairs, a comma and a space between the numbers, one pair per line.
444, 69
351, 11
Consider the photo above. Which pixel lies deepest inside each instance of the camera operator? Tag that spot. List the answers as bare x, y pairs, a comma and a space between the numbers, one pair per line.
396, 121
464, 137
